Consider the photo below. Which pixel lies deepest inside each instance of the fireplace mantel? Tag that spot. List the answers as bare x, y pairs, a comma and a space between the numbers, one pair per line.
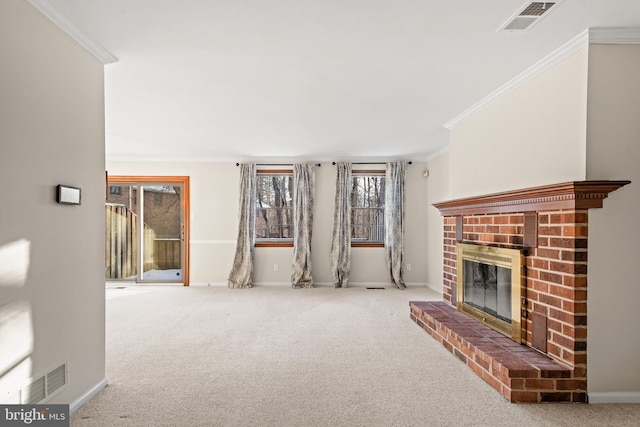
566, 195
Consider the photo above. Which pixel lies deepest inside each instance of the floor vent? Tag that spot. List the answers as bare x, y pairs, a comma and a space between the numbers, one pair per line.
34, 392
56, 379
42, 387
528, 14
375, 288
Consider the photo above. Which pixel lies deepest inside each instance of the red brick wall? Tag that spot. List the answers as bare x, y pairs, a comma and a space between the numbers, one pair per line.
556, 273
449, 261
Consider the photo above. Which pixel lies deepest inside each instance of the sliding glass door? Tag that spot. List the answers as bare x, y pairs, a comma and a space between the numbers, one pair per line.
121, 232
146, 224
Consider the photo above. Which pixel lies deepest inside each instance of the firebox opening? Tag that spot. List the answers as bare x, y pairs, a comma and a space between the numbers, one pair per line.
490, 287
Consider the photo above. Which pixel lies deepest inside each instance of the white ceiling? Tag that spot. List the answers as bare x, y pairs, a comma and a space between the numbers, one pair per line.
321, 80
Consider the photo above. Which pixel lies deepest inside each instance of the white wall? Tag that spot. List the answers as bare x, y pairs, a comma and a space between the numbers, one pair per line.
534, 135
51, 132
214, 221
613, 152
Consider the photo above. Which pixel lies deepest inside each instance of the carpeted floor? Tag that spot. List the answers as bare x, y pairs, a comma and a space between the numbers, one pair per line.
276, 356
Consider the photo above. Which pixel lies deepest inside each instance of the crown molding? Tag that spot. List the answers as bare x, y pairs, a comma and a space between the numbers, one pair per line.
566, 50
49, 10
589, 36
614, 35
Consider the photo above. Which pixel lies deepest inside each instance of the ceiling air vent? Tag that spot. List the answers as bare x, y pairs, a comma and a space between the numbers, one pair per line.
528, 15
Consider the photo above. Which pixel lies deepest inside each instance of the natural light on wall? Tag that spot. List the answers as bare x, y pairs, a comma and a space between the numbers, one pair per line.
16, 330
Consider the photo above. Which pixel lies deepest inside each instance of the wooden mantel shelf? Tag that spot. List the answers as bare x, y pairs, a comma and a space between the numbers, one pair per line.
566, 195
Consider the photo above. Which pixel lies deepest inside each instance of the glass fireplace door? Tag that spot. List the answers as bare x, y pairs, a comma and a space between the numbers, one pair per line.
488, 288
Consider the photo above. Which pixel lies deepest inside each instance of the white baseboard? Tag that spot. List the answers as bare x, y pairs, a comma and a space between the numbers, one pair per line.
79, 402
614, 397
368, 284
437, 289
210, 284
285, 284
318, 284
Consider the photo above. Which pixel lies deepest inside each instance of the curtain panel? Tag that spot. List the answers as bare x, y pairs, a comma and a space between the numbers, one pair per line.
241, 275
303, 188
394, 221
341, 242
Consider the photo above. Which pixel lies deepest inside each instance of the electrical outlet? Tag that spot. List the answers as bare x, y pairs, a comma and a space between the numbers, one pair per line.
275, 267
408, 267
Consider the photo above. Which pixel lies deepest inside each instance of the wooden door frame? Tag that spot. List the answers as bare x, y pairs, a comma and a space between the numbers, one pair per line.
182, 180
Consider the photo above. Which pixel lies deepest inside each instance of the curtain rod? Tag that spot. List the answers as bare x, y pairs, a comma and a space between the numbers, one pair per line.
277, 164
369, 163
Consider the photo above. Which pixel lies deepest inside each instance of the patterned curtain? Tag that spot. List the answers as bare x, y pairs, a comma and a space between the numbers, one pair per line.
394, 221
241, 275
303, 183
341, 243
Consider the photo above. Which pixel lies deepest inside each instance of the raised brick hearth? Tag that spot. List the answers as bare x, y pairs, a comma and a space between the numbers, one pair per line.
520, 373
550, 224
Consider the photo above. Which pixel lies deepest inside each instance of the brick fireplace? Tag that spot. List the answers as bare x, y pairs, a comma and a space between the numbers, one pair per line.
550, 224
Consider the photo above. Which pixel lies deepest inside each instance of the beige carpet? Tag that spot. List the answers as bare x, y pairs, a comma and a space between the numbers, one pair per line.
276, 356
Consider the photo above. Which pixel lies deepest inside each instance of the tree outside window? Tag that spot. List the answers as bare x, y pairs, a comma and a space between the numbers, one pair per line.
367, 208
274, 206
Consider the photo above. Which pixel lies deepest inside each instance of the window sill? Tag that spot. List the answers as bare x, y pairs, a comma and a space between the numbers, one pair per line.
367, 245
273, 244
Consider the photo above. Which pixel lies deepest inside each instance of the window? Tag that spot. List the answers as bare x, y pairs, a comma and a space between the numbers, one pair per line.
115, 190
274, 207
367, 208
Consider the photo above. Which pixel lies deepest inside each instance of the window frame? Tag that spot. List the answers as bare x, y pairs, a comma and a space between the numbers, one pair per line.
274, 242
367, 172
